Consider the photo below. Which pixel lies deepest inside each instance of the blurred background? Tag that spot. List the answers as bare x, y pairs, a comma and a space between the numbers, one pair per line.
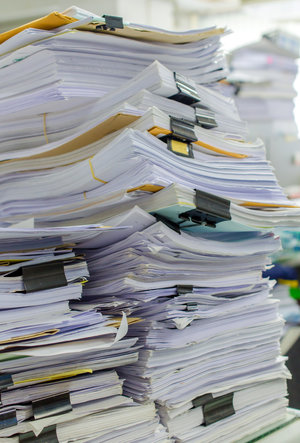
263, 76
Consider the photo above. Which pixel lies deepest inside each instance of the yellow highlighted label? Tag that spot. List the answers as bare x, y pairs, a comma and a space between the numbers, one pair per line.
116, 322
56, 376
45, 127
30, 336
147, 187
267, 205
179, 147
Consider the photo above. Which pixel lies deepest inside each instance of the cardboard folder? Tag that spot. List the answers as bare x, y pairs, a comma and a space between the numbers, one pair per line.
51, 21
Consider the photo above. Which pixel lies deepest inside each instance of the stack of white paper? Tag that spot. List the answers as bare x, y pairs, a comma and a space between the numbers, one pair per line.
76, 67
249, 403
210, 327
142, 180
55, 361
132, 159
110, 163
265, 79
265, 72
152, 86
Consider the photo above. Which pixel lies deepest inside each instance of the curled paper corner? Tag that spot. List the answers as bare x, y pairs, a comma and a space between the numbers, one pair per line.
123, 329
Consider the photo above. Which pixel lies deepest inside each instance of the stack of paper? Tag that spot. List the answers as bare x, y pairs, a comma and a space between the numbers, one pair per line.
73, 67
112, 166
151, 87
133, 159
263, 75
265, 72
56, 363
210, 329
177, 203
153, 180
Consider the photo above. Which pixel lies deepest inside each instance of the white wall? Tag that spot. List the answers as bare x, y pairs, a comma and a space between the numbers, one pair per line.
153, 12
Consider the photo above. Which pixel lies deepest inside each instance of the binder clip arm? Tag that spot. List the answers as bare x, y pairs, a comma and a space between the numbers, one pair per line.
183, 134
210, 210
187, 93
112, 23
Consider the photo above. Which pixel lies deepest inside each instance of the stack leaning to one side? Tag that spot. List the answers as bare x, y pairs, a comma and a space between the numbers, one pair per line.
145, 173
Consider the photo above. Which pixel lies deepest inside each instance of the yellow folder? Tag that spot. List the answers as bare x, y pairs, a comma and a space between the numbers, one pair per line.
145, 34
54, 377
51, 21
32, 336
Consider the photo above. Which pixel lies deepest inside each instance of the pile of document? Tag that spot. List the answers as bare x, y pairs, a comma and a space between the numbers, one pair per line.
263, 79
265, 72
116, 169
132, 183
76, 67
58, 377
210, 356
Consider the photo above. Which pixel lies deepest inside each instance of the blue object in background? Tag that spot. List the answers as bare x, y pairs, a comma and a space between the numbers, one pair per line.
281, 272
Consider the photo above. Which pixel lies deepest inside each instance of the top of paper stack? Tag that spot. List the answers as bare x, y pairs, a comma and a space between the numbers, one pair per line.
112, 25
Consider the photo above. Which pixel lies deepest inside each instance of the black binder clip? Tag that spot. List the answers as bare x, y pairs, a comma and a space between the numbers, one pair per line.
48, 435
214, 409
5, 381
54, 405
187, 93
202, 400
191, 306
183, 129
182, 135
167, 222
112, 23
183, 289
210, 210
218, 408
44, 276
272, 36
237, 86
8, 419
205, 117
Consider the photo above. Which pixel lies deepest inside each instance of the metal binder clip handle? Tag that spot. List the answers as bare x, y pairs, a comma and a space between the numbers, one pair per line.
218, 408
210, 210
184, 289
205, 117
182, 135
44, 276
112, 23
191, 306
8, 419
187, 93
183, 129
53, 405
